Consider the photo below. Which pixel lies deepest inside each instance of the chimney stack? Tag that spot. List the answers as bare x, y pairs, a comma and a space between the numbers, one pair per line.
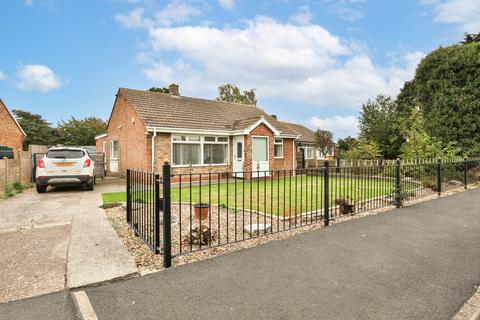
173, 89
274, 116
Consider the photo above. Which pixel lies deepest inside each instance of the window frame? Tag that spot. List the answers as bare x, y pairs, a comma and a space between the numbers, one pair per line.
111, 149
275, 144
202, 144
309, 147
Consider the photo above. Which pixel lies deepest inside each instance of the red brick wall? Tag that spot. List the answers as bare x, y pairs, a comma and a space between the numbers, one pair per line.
286, 163
10, 134
134, 144
274, 164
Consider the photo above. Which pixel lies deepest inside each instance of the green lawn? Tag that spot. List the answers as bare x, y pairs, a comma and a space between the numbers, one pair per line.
278, 196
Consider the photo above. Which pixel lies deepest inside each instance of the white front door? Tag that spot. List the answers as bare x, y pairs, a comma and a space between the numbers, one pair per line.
114, 154
238, 156
260, 165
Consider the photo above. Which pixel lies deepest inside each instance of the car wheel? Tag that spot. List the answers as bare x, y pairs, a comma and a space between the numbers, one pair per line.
41, 189
90, 186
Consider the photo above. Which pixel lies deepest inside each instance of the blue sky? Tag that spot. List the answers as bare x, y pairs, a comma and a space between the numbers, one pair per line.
312, 62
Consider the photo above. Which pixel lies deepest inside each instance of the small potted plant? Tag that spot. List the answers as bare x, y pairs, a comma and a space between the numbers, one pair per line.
201, 211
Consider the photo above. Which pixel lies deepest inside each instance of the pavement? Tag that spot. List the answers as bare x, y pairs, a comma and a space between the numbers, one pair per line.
58, 240
418, 262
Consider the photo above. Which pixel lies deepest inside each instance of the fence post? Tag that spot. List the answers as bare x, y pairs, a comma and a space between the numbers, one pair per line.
129, 197
465, 172
439, 176
398, 184
326, 198
156, 177
167, 234
337, 165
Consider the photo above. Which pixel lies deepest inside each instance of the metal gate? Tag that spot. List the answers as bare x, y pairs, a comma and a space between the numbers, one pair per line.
99, 159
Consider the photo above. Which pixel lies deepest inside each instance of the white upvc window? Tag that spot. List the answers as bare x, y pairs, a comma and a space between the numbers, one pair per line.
278, 148
320, 154
199, 150
114, 149
308, 152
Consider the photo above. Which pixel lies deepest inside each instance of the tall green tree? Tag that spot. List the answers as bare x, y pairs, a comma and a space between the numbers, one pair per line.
378, 125
37, 129
344, 145
445, 87
230, 93
324, 140
361, 149
80, 132
158, 89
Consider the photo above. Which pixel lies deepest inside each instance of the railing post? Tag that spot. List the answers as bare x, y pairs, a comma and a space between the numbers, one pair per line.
129, 198
167, 234
465, 173
398, 184
326, 198
439, 176
157, 212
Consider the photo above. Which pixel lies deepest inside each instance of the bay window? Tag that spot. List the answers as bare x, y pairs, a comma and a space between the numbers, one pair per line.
278, 148
199, 150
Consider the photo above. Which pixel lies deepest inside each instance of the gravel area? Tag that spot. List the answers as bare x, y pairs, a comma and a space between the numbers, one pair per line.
149, 262
471, 309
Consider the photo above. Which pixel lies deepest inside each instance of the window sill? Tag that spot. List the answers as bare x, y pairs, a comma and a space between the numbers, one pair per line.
198, 165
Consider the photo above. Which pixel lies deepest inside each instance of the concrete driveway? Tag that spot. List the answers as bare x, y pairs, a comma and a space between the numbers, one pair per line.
59, 239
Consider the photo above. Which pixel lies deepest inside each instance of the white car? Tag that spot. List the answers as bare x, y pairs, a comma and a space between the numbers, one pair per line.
65, 166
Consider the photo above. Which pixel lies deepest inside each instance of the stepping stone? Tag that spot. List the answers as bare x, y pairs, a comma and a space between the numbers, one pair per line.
257, 228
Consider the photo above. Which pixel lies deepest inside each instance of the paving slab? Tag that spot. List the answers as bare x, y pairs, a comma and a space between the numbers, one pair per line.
95, 254
33, 262
418, 262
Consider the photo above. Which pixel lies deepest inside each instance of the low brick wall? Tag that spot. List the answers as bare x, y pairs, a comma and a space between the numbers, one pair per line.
16, 170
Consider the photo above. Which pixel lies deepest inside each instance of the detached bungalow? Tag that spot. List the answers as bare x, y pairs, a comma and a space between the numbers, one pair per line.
194, 135
11, 134
306, 153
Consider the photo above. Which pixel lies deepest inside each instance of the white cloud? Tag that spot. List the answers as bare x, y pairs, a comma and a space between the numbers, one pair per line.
340, 126
349, 10
303, 17
175, 12
35, 77
3, 76
134, 19
226, 4
298, 63
28, 2
464, 13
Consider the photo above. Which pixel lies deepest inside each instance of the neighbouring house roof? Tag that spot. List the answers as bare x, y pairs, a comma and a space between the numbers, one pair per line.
306, 135
13, 118
161, 110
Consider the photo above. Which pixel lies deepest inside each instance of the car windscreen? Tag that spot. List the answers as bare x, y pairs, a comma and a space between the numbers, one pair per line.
65, 154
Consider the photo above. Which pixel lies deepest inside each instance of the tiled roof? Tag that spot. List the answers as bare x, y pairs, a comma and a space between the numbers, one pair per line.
178, 112
306, 135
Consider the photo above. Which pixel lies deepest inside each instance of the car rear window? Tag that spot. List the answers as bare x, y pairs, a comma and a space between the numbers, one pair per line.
65, 154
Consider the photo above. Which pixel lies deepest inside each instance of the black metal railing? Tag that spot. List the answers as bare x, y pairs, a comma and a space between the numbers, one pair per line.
211, 209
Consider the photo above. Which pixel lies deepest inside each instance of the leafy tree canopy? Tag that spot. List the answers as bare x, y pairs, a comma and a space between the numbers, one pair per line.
445, 88
230, 93
157, 89
471, 37
344, 145
80, 132
361, 149
377, 124
324, 140
37, 129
